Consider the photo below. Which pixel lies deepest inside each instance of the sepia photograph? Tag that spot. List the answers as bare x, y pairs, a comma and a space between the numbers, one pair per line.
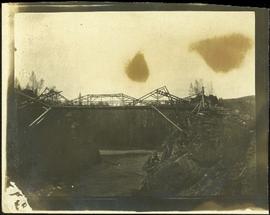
134, 107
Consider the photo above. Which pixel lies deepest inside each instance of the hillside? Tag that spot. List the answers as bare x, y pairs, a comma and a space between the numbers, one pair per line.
245, 104
216, 156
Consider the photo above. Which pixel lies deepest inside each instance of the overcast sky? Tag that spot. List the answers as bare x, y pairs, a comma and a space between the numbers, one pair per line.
88, 52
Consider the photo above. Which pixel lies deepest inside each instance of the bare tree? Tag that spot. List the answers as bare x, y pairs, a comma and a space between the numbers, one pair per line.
17, 84
210, 88
191, 89
28, 86
196, 87
34, 84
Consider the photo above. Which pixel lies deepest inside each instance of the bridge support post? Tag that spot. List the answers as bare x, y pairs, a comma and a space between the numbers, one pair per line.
203, 102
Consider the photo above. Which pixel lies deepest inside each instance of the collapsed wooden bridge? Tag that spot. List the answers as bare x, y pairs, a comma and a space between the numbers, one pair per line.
50, 99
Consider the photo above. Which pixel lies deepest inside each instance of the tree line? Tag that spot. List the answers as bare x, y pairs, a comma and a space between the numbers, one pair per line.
34, 84
196, 87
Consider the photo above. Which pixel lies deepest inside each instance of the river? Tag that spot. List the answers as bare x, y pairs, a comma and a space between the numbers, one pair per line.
119, 174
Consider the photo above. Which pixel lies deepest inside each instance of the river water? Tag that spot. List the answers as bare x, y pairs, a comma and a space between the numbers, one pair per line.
119, 174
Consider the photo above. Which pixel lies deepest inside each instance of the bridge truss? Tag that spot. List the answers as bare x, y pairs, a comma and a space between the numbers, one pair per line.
118, 99
159, 96
47, 98
50, 98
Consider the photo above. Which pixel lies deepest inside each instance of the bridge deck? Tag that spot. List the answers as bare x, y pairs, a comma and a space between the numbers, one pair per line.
120, 107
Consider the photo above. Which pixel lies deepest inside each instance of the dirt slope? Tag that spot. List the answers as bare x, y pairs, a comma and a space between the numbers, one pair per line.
216, 156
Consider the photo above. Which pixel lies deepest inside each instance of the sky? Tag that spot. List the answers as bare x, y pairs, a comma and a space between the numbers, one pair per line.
88, 52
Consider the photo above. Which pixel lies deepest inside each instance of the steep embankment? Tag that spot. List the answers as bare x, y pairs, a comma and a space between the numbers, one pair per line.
215, 157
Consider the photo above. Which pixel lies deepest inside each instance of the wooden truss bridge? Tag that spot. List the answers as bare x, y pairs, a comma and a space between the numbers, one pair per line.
50, 99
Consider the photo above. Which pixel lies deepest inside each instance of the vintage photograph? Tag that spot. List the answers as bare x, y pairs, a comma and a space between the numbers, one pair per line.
111, 105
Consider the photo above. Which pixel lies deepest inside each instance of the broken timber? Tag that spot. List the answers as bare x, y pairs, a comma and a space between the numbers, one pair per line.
36, 121
125, 101
165, 117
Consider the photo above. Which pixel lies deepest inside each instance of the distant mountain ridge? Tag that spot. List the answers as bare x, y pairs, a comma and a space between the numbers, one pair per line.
244, 104
251, 97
